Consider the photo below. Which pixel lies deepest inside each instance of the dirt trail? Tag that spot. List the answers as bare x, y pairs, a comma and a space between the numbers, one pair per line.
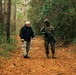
64, 64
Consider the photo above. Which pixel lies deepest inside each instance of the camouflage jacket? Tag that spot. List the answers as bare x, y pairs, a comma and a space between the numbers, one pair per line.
48, 31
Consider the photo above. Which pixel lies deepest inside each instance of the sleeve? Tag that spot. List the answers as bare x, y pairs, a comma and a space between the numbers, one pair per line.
32, 33
53, 32
42, 30
21, 33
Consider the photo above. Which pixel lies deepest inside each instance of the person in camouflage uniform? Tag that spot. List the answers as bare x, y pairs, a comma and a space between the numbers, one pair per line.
48, 31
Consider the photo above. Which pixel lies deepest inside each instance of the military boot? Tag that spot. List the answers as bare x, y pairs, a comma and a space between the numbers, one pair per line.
47, 56
53, 56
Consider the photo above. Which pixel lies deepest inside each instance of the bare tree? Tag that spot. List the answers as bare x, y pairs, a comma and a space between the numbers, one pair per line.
15, 16
0, 11
8, 20
1, 21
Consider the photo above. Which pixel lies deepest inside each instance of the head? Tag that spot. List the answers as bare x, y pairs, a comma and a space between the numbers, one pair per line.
47, 22
27, 23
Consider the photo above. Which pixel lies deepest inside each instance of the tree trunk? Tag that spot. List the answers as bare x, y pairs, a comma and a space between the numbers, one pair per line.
15, 16
24, 12
1, 21
4, 14
8, 20
0, 11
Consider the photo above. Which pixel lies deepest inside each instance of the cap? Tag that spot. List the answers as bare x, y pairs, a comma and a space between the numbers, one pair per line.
27, 22
46, 20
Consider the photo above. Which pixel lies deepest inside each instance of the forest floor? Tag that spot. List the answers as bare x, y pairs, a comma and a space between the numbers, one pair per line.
37, 64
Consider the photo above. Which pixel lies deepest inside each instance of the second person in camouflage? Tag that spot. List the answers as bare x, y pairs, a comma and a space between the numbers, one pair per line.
48, 31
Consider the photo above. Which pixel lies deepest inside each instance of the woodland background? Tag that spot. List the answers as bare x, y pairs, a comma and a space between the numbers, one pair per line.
62, 15
14, 14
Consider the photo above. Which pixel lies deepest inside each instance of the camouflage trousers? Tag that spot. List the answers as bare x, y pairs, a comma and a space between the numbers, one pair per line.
48, 42
25, 47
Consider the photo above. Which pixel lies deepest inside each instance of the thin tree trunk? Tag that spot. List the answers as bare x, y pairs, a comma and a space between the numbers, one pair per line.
1, 21
8, 20
24, 11
0, 11
5, 13
15, 16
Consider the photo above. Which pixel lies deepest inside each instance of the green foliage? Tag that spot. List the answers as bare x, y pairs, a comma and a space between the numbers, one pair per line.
12, 1
74, 41
1, 29
62, 14
1, 39
38, 10
6, 47
4, 53
66, 21
20, 15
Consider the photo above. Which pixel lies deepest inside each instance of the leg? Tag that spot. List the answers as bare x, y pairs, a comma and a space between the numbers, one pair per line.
27, 47
46, 45
24, 48
53, 49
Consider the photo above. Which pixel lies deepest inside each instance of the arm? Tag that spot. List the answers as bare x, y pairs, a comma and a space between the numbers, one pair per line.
32, 33
42, 30
21, 34
53, 32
